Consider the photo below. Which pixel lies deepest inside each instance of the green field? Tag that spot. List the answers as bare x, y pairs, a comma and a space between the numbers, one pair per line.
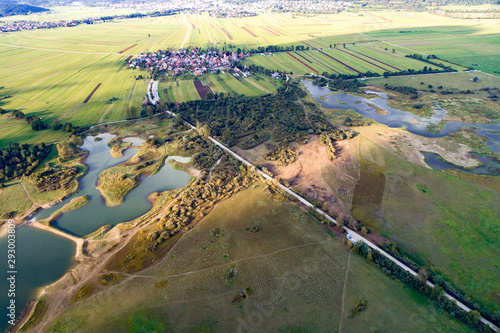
297, 282
184, 90
476, 108
14, 199
450, 229
51, 72
448, 81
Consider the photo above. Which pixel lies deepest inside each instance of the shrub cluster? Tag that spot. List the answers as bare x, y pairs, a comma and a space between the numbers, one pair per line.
283, 154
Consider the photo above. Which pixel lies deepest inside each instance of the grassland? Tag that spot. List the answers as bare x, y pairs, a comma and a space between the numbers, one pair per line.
449, 81
13, 198
116, 182
75, 203
297, 282
459, 216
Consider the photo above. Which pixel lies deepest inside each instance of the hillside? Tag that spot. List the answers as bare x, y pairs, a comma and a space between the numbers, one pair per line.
9, 9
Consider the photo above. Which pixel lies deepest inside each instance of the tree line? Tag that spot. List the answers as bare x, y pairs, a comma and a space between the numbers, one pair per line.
418, 283
19, 160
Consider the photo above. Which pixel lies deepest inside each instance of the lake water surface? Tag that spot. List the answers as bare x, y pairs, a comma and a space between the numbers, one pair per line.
41, 258
95, 214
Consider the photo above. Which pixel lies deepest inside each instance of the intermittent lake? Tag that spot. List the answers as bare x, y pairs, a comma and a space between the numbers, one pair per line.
398, 118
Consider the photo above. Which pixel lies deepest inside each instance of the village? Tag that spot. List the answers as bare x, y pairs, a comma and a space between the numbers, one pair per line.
31, 25
195, 62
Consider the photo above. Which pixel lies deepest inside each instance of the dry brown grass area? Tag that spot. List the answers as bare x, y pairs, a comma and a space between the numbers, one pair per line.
409, 146
314, 173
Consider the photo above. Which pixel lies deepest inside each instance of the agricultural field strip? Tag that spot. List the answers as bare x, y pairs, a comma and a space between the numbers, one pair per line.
367, 61
315, 58
31, 60
375, 59
376, 39
65, 51
356, 237
300, 55
92, 93
340, 62
371, 78
303, 63
443, 38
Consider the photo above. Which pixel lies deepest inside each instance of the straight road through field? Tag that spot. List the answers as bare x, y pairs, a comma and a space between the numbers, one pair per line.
355, 237
187, 33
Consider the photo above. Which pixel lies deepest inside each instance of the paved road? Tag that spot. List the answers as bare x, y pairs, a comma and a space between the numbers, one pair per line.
354, 235
152, 92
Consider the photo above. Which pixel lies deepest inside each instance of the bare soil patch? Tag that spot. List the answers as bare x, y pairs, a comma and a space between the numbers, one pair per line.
313, 172
128, 48
201, 89
409, 146
92, 93
228, 35
251, 33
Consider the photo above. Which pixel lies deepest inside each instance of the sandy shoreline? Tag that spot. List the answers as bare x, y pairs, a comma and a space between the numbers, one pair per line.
3, 229
77, 240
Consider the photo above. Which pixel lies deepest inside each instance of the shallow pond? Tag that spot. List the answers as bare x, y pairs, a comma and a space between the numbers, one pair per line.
43, 257
490, 167
95, 214
398, 118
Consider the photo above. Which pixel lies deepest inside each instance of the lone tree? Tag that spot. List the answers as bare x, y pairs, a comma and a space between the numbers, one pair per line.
473, 317
475, 78
66, 149
422, 275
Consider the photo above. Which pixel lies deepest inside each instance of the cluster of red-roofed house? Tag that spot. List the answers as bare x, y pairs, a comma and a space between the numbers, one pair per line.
185, 61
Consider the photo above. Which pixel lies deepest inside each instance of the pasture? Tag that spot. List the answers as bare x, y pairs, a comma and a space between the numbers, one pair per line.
303, 280
14, 199
459, 216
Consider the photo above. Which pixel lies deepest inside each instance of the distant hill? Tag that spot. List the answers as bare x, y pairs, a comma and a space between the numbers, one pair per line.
9, 9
